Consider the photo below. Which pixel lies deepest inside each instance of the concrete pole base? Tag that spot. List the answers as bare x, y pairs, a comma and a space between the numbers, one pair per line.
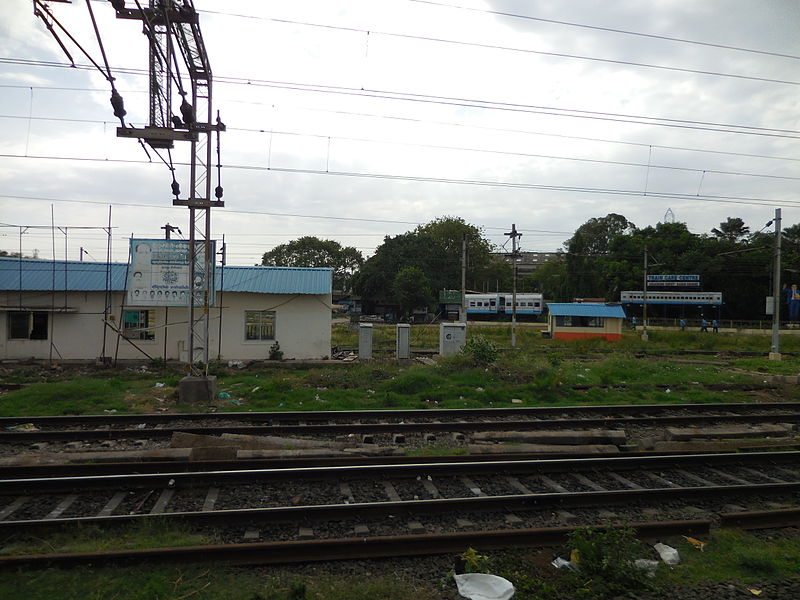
197, 390
645, 337
775, 356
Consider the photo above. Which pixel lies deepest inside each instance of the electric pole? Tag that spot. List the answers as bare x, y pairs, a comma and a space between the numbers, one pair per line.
775, 354
644, 298
462, 317
514, 234
173, 33
168, 229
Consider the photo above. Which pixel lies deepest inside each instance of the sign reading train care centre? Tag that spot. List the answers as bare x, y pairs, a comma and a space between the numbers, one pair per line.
673, 281
158, 274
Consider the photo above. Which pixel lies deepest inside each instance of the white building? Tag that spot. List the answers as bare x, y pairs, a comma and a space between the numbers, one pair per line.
75, 311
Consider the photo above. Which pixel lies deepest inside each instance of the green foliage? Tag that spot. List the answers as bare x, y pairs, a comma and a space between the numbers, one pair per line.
413, 382
434, 249
474, 562
411, 290
480, 350
606, 562
310, 251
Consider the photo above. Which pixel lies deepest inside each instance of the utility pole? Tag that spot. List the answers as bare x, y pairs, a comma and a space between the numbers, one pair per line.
173, 32
775, 353
168, 229
644, 298
462, 317
514, 234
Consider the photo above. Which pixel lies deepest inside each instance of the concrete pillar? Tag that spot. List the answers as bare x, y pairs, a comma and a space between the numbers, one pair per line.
403, 340
365, 341
452, 337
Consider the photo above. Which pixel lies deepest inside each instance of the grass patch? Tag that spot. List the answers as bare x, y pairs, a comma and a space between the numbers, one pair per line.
151, 533
203, 583
432, 450
736, 555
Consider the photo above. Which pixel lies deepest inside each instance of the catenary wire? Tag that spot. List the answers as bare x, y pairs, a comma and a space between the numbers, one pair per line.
480, 104
446, 147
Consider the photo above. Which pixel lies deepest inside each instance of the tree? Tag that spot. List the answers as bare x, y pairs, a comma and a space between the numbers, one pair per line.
411, 289
433, 248
586, 256
732, 229
310, 251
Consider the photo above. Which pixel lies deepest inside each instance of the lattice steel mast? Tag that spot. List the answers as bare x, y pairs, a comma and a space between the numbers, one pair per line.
169, 24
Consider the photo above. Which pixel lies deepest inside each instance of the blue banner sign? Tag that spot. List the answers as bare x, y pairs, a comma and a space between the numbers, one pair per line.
673, 278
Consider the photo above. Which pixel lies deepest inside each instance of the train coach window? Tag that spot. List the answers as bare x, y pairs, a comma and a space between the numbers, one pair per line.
472, 302
492, 303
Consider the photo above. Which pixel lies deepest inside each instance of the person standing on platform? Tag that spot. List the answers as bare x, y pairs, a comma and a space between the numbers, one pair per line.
682, 323
714, 326
703, 325
633, 323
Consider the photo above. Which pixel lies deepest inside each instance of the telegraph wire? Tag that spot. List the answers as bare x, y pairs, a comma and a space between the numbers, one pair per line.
445, 147
507, 48
489, 105
421, 179
419, 120
609, 29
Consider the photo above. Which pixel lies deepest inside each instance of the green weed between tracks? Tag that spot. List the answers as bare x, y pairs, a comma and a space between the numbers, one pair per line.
533, 375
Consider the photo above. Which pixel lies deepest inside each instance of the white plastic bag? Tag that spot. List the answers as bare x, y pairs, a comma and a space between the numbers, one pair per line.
480, 586
668, 554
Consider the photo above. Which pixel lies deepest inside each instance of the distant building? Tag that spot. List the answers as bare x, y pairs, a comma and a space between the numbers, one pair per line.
583, 320
76, 310
528, 262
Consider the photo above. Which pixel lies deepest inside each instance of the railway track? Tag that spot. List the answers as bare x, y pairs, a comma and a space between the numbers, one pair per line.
92, 428
370, 509
428, 497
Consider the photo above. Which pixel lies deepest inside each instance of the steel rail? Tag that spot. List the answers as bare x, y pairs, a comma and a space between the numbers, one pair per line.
57, 470
432, 413
342, 549
409, 508
19, 437
336, 473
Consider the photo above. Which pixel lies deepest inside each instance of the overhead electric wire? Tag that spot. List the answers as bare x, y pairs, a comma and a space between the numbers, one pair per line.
497, 105
481, 183
485, 46
452, 148
415, 120
609, 29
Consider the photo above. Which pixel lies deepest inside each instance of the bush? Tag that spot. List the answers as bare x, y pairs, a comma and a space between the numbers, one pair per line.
606, 562
480, 350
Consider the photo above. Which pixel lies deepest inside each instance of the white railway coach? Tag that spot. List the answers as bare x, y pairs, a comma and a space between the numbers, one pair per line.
676, 298
490, 305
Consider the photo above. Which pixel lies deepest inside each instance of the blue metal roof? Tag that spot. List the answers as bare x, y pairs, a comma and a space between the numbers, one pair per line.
585, 309
29, 274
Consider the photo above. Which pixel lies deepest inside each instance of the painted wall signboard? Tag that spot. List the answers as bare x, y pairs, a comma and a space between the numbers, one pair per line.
158, 273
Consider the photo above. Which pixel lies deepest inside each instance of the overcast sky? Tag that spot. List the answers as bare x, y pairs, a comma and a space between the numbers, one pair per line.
357, 119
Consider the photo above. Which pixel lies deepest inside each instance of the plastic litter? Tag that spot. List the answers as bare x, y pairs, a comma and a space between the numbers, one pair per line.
667, 553
159, 384
754, 591
235, 401
224, 395
695, 542
236, 363
646, 565
562, 563
23, 427
481, 586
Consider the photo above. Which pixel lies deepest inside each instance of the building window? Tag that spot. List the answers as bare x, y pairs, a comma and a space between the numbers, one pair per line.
26, 325
259, 324
136, 324
575, 321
